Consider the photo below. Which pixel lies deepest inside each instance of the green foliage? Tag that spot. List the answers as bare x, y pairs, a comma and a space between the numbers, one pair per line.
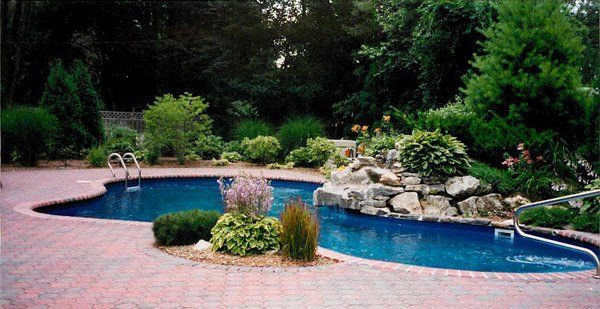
262, 149
185, 227
176, 122
552, 217
97, 156
500, 179
209, 146
220, 162
535, 183
587, 222
192, 157
121, 133
251, 129
90, 102
27, 132
378, 144
591, 205
234, 146
315, 153
231, 156
119, 146
455, 119
277, 166
242, 110
149, 155
433, 154
61, 100
300, 231
294, 133
244, 235
529, 71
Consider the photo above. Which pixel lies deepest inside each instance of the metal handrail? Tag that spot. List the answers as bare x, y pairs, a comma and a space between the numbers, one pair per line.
120, 159
132, 156
553, 201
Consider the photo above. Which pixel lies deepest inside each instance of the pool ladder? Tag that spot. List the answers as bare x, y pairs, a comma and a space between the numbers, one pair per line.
122, 162
558, 200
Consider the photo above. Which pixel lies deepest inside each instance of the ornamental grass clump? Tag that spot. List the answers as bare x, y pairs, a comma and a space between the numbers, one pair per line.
300, 231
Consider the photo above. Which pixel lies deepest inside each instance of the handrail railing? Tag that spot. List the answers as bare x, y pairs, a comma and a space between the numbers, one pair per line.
554, 201
132, 156
120, 159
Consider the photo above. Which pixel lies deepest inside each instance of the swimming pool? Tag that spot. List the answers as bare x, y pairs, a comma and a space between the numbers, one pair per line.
430, 244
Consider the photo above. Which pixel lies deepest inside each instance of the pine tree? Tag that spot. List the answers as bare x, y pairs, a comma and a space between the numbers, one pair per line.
90, 102
529, 72
61, 99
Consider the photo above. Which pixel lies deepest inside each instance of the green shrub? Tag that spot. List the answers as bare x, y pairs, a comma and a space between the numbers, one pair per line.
551, 217
433, 154
220, 162
591, 205
234, 146
149, 155
277, 166
294, 133
26, 133
587, 222
251, 129
119, 146
121, 133
175, 123
300, 231
209, 146
90, 101
378, 144
261, 149
535, 183
185, 227
232, 156
97, 156
315, 153
454, 119
242, 235
500, 179
192, 157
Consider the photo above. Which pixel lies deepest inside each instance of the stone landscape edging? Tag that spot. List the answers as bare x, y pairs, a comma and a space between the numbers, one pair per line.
98, 188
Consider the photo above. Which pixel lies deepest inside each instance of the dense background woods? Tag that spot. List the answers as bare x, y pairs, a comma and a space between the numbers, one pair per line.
342, 61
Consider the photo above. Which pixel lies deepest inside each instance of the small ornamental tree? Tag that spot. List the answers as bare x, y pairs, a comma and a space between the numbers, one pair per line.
175, 123
61, 100
529, 70
90, 101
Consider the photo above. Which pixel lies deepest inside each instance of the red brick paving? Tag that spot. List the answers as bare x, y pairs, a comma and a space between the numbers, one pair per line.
60, 262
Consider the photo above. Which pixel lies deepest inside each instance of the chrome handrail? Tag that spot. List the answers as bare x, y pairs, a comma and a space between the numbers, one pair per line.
554, 201
132, 156
120, 159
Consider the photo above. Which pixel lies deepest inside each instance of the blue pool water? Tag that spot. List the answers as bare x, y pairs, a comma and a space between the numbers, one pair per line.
410, 242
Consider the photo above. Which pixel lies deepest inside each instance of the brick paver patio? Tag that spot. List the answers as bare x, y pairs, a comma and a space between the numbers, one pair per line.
60, 262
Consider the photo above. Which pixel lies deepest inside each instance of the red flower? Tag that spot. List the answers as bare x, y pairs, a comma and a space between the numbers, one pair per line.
529, 162
526, 152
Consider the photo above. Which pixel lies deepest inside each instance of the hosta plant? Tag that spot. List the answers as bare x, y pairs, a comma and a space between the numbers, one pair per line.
242, 235
433, 154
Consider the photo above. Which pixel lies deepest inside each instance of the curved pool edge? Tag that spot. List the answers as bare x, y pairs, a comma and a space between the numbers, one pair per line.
98, 188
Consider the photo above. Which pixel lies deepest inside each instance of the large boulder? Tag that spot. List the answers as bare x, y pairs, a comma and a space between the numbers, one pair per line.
328, 195
346, 176
361, 162
412, 180
461, 186
390, 179
437, 205
406, 203
476, 205
369, 210
376, 190
514, 202
468, 207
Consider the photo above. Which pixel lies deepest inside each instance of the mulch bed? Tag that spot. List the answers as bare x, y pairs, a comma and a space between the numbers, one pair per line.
265, 260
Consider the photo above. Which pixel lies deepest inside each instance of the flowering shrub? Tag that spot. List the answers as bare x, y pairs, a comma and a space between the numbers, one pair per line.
523, 162
248, 195
380, 140
529, 174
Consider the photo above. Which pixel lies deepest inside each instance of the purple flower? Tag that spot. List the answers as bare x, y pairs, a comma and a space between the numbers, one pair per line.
246, 194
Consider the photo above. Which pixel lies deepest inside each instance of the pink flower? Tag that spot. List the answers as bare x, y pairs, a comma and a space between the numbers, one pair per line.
529, 162
246, 194
539, 158
520, 146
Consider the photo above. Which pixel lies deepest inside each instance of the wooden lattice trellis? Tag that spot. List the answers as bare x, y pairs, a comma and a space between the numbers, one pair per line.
134, 120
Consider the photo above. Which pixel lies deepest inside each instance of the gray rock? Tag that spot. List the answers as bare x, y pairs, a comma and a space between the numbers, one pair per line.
461, 186
437, 189
475, 205
369, 210
375, 173
484, 188
349, 203
407, 174
411, 180
514, 202
437, 205
356, 194
382, 190
391, 157
202, 245
381, 198
330, 196
406, 203
373, 203
468, 207
346, 177
390, 179
421, 189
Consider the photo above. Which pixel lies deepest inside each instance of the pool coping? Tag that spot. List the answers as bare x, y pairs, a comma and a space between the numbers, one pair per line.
98, 188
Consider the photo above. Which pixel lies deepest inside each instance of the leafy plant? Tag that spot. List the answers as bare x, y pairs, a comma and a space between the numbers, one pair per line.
90, 101
251, 129
209, 146
192, 157
455, 119
176, 122
591, 205
315, 153
120, 146
249, 195
277, 166
552, 217
378, 144
500, 179
121, 133
294, 133
220, 162
97, 156
232, 156
185, 227
587, 222
261, 149
241, 109
433, 154
243, 235
300, 231
27, 131
234, 146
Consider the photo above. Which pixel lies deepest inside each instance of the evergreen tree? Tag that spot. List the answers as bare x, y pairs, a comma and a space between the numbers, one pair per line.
61, 99
529, 71
90, 102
